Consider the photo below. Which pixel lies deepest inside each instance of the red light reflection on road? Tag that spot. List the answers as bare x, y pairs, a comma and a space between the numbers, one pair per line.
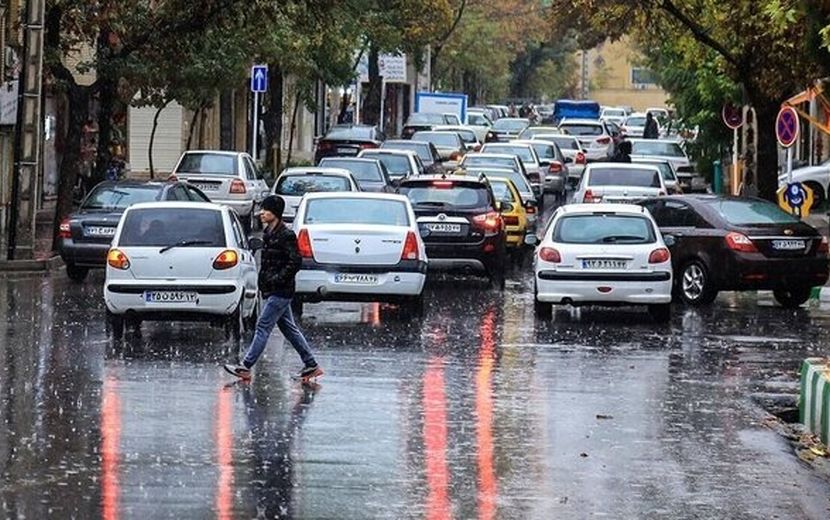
110, 449
224, 453
487, 484
435, 441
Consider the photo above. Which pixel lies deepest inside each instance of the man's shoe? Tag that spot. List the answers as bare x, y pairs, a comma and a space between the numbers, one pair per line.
240, 371
310, 372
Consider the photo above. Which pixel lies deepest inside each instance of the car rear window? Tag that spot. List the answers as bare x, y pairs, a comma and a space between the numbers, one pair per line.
159, 227
635, 121
446, 195
656, 148
586, 130
426, 119
345, 133
624, 177
356, 211
422, 149
119, 197
478, 120
360, 170
501, 191
468, 136
751, 212
299, 185
545, 151
665, 170
510, 125
517, 178
607, 228
564, 143
208, 163
497, 162
522, 152
444, 139
396, 164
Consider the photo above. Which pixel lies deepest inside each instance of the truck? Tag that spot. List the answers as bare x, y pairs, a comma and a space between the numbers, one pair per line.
572, 109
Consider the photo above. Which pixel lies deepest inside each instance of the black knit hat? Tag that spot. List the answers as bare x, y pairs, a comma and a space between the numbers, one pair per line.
275, 204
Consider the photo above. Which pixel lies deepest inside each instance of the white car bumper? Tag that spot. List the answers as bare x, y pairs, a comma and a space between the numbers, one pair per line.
599, 291
324, 285
243, 208
219, 297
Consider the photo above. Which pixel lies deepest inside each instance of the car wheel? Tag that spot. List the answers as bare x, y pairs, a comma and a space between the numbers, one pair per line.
661, 313
819, 196
115, 325
694, 286
75, 273
792, 298
542, 310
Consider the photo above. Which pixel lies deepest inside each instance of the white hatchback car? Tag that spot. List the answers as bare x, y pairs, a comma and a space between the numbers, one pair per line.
360, 247
619, 182
181, 261
294, 183
603, 254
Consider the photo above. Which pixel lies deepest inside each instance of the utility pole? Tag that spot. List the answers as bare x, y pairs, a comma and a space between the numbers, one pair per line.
28, 137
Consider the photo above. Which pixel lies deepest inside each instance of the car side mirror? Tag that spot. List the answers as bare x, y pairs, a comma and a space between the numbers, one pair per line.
255, 243
669, 240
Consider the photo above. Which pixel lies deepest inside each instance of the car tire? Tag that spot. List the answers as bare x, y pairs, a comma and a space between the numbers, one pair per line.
115, 325
75, 273
694, 285
819, 196
660, 313
542, 310
792, 298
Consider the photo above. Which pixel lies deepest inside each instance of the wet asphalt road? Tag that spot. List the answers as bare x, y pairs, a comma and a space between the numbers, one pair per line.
474, 411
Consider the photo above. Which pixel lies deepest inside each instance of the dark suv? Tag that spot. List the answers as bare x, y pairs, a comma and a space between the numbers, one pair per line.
460, 224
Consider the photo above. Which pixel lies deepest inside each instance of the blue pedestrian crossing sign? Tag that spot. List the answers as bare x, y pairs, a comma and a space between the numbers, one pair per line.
796, 199
259, 78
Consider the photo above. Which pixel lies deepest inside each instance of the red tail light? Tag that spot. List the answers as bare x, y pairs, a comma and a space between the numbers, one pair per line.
323, 146
490, 221
549, 254
555, 167
304, 244
590, 198
64, 231
823, 247
444, 185
511, 221
604, 140
364, 146
580, 158
226, 260
118, 260
238, 186
410, 247
659, 256
530, 208
741, 243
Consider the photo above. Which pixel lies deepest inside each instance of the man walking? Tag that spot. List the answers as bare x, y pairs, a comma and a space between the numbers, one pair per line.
280, 263
651, 131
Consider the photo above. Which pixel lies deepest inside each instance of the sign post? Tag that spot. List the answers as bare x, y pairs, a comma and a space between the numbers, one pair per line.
259, 84
733, 118
795, 197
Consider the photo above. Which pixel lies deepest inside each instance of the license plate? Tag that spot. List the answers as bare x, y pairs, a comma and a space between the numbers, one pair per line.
444, 228
788, 245
206, 187
602, 263
170, 297
356, 279
349, 151
100, 231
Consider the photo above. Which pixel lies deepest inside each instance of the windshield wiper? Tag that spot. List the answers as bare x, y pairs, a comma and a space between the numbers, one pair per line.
185, 243
617, 238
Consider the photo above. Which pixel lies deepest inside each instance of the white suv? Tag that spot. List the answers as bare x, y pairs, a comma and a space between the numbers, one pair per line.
593, 135
181, 261
603, 254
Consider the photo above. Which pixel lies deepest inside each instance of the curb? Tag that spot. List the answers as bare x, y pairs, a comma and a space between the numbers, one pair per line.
31, 266
821, 294
814, 400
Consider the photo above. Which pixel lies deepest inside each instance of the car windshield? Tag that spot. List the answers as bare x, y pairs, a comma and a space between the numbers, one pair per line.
366, 171
624, 177
299, 185
478, 120
510, 125
438, 139
396, 164
208, 163
422, 149
468, 136
751, 212
356, 211
345, 133
161, 227
502, 191
545, 151
522, 152
446, 195
426, 119
119, 197
577, 129
635, 121
661, 148
497, 162
564, 143
604, 228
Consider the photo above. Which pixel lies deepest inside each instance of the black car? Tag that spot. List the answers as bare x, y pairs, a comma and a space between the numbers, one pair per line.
421, 122
506, 129
348, 141
370, 174
739, 244
426, 151
460, 224
85, 236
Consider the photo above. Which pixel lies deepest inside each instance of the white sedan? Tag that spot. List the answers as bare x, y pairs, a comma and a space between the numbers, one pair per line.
603, 254
181, 261
360, 247
619, 182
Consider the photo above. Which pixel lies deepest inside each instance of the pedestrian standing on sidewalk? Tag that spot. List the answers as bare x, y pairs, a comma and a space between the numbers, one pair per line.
280, 262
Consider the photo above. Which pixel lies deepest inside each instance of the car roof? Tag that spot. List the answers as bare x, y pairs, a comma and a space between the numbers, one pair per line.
631, 209
176, 205
530, 142
302, 170
138, 184
489, 155
452, 128
524, 119
347, 159
440, 132
621, 166
404, 141
596, 122
637, 114
356, 195
388, 151
214, 152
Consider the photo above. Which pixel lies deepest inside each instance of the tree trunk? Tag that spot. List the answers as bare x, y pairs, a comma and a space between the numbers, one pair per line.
107, 97
293, 128
766, 162
153, 138
192, 126
371, 104
77, 115
272, 119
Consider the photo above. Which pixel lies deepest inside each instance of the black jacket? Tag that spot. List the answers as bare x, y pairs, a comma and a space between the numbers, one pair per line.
280, 261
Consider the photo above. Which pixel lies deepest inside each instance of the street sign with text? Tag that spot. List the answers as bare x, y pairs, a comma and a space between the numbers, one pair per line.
259, 78
787, 127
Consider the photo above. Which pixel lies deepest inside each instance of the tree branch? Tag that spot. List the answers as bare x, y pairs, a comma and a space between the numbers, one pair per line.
700, 33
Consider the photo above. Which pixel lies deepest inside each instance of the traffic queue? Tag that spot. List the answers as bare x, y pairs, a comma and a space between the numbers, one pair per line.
376, 217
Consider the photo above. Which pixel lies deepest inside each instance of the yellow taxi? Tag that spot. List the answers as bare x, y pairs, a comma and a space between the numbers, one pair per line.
513, 212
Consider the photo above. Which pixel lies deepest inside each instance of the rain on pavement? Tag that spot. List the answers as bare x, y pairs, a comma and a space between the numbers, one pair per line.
473, 411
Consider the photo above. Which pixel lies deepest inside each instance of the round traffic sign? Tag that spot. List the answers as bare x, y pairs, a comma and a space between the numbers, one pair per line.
733, 116
787, 126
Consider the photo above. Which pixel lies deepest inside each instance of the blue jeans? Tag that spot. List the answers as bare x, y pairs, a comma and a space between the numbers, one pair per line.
277, 311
